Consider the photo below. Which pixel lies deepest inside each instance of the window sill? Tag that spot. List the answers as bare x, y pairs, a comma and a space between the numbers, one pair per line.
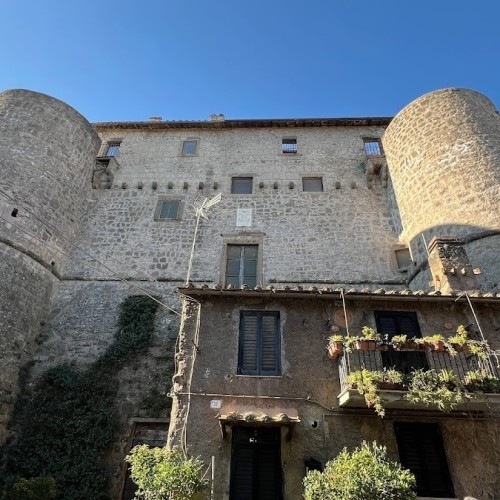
260, 376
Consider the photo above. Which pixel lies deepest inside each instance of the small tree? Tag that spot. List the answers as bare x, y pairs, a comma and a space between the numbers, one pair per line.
364, 474
163, 474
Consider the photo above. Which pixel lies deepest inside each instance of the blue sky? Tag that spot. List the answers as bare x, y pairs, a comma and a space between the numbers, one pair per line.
177, 59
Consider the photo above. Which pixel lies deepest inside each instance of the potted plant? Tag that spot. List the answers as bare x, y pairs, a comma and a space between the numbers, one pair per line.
368, 340
420, 344
460, 341
391, 380
367, 384
335, 346
481, 381
435, 342
479, 348
432, 388
402, 343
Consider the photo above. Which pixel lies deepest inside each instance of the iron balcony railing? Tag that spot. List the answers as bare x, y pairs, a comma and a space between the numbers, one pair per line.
408, 361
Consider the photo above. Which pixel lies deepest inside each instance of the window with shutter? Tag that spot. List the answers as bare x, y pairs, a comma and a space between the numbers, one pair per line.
392, 323
259, 343
421, 450
241, 267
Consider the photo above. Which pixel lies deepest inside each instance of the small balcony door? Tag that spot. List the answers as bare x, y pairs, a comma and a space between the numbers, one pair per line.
392, 323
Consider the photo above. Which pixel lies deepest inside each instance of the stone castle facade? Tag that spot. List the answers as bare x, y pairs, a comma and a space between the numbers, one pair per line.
323, 225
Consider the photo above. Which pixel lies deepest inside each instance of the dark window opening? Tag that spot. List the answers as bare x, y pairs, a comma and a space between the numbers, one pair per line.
241, 185
373, 147
259, 343
312, 184
169, 209
421, 450
403, 258
289, 146
14, 212
390, 323
189, 148
241, 267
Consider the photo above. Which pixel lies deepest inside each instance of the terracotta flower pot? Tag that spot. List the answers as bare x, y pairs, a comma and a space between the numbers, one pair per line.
407, 346
438, 345
390, 386
335, 349
366, 345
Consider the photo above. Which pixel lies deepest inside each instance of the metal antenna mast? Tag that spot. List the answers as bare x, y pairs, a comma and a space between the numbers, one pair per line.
201, 204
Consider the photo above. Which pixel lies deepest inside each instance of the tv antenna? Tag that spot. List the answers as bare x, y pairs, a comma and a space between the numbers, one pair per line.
200, 205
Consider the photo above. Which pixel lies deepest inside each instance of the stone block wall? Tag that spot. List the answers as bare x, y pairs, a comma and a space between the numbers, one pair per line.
443, 151
24, 308
345, 234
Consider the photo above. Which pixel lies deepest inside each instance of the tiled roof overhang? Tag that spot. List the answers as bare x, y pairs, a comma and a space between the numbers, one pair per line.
254, 123
329, 293
257, 419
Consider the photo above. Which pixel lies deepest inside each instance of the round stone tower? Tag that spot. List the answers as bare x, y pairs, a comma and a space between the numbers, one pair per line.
443, 154
47, 155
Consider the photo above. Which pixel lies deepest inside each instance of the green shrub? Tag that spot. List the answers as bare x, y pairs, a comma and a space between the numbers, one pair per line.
364, 474
162, 474
36, 488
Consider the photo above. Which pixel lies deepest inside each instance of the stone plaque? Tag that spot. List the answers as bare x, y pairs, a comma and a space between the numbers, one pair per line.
244, 217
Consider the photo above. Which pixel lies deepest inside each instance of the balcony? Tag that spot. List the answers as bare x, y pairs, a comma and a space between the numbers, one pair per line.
429, 380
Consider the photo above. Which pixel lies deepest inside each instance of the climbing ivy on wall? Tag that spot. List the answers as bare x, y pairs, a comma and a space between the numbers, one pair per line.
67, 425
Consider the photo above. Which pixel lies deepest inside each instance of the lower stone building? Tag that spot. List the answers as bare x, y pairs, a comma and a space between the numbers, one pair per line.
257, 395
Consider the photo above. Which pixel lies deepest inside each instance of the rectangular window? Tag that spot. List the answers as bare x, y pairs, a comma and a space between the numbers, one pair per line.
241, 268
390, 323
259, 343
169, 209
289, 146
312, 184
113, 149
189, 147
241, 185
373, 147
421, 450
403, 258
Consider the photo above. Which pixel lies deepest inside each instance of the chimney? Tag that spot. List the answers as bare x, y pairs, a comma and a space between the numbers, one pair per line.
450, 266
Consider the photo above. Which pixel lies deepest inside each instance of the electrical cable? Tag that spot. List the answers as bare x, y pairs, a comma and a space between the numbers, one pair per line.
128, 283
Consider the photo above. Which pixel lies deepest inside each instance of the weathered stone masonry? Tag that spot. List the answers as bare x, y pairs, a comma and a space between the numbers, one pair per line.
74, 244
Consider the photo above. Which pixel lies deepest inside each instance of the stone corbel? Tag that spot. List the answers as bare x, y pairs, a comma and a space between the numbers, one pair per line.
376, 166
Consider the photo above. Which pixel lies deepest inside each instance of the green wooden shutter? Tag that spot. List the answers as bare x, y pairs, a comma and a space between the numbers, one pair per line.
270, 348
249, 343
259, 343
